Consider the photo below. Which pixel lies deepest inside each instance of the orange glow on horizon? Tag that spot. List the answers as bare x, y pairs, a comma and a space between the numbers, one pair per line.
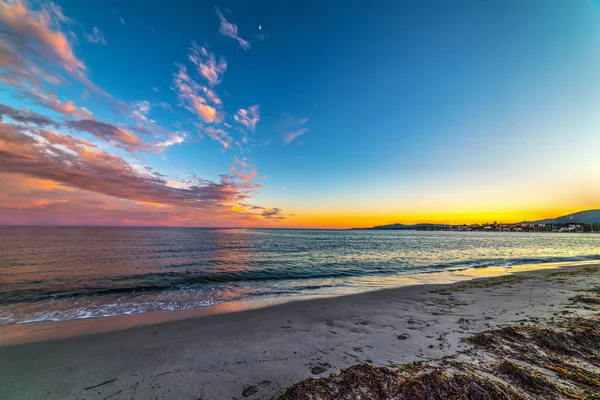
345, 221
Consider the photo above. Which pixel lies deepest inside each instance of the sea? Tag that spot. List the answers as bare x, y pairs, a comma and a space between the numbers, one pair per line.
66, 273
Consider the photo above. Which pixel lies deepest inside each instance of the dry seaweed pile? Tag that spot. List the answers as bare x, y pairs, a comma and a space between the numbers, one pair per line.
521, 362
365, 381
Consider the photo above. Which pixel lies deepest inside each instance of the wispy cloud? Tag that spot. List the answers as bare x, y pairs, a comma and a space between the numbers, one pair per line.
228, 29
172, 140
190, 93
199, 98
117, 136
26, 116
140, 112
293, 127
242, 170
96, 37
207, 64
66, 107
45, 154
219, 135
248, 117
291, 136
32, 41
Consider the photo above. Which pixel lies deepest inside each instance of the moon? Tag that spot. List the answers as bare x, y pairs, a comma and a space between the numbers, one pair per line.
259, 27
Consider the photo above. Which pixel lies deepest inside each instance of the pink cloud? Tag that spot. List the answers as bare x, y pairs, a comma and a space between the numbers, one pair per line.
243, 162
32, 38
85, 167
113, 134
25, 116
231, 30
190, 93
207, 64
219, 135
33, 201
117, 136
67, 107
211, 95
206, 112
291, 136
248, 117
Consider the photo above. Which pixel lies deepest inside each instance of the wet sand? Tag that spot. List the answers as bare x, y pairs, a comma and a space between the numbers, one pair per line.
256, 354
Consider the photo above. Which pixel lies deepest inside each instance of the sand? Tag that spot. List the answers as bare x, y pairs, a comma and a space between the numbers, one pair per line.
256, 354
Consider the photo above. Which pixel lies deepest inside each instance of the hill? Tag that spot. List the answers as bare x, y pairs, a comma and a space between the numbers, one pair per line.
581, 217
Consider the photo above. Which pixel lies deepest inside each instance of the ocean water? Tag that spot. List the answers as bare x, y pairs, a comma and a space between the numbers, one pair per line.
63, 273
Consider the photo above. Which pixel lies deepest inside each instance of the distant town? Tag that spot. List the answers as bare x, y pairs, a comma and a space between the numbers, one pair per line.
526, 227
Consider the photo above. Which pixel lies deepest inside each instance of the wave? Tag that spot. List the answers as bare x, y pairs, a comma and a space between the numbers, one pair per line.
195, 280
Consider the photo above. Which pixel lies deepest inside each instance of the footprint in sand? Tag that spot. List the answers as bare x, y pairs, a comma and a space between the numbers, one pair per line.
250, 390
319, 368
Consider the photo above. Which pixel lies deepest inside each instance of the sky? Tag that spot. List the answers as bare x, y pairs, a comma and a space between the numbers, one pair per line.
312, 114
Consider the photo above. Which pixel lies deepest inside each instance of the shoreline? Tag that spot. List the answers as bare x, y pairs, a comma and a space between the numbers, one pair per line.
39, 331
257, 354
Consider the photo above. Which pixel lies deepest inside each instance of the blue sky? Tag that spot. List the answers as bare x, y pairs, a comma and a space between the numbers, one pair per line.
383, 112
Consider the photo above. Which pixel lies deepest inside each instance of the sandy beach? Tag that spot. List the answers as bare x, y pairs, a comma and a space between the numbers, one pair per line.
259, 353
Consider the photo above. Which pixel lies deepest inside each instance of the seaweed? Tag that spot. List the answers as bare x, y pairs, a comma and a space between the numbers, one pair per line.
365, 381
586, 299
556, 361
526, 378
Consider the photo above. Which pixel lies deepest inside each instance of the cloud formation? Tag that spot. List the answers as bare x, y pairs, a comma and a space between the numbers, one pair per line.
248, 117
228, 29
32, 43
51, 169
116, 136
207, 64
26, 116
219, 135
77, 163
291, 136
190, 93
51, 101
96, 37
172, 140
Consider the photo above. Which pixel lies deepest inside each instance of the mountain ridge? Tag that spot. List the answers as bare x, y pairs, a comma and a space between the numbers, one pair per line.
579, 217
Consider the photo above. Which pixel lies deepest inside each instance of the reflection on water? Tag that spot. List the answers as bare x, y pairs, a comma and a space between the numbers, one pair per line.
50, 273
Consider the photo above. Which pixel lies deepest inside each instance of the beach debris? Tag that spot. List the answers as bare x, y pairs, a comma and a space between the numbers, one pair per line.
556, 361
464, 323
586, 299
403, 336
100, 384
526, 378
365, 381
